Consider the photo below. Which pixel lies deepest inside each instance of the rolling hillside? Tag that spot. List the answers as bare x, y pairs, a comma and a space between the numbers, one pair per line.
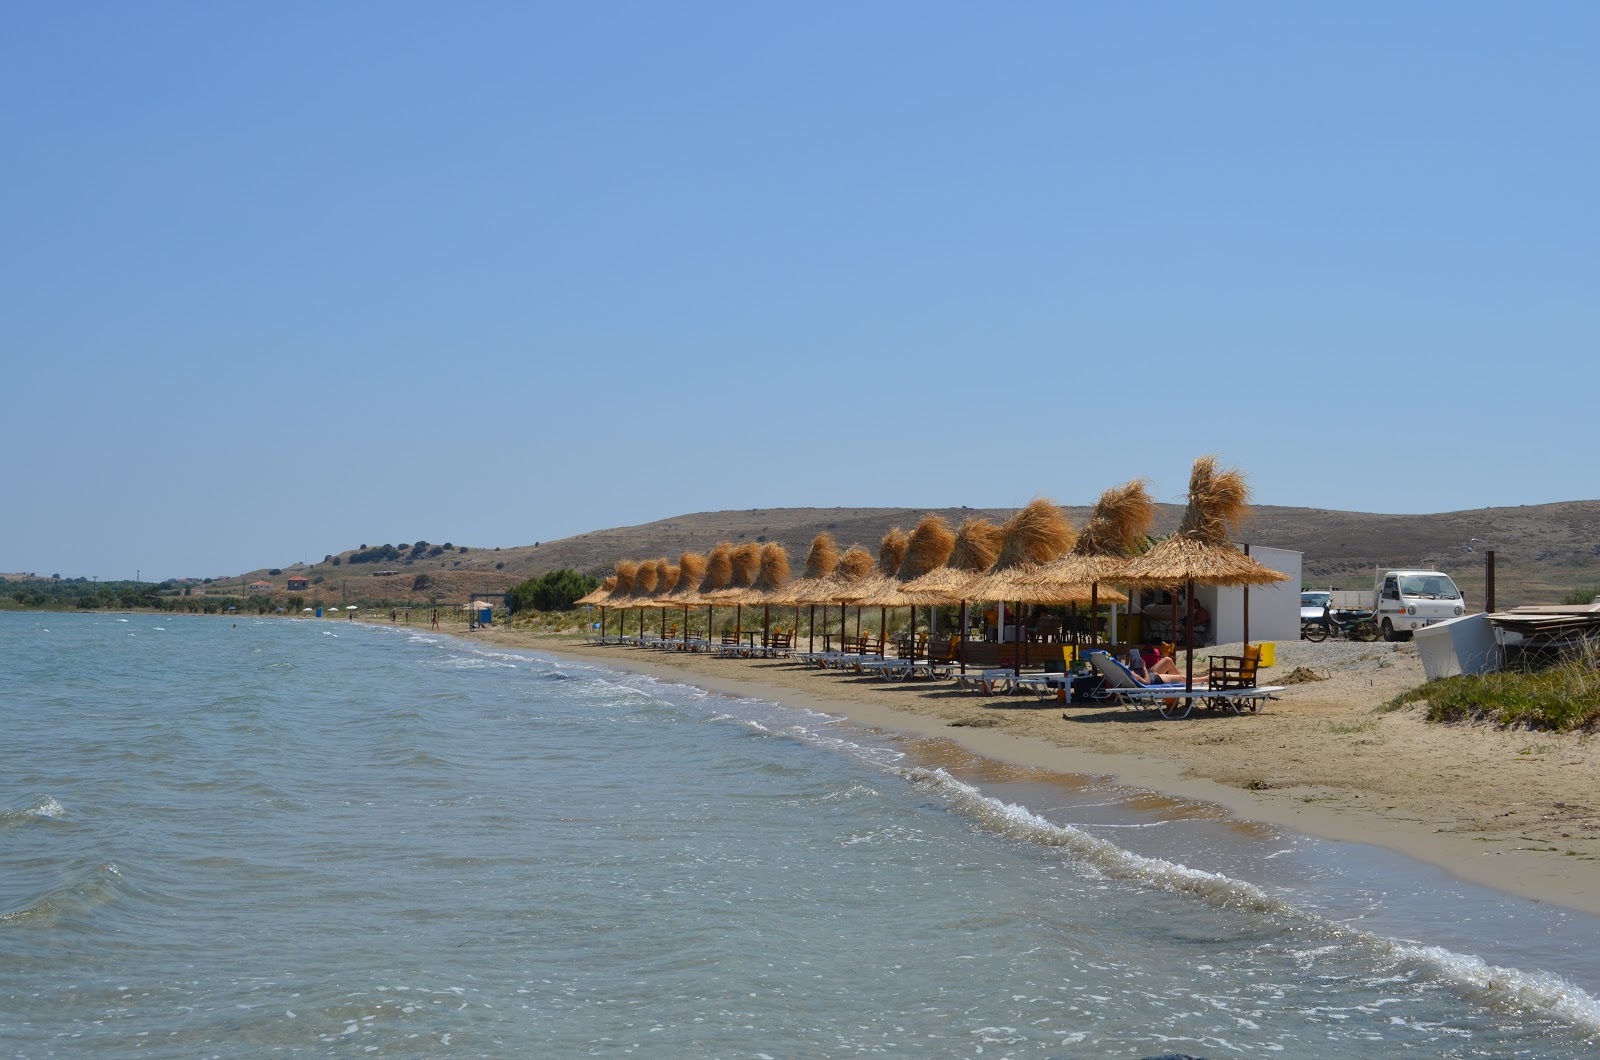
1543, 551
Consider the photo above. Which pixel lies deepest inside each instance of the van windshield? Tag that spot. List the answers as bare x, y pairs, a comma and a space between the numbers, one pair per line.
1431, 586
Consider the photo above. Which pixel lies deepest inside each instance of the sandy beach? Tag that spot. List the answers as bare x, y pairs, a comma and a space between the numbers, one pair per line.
1511, 810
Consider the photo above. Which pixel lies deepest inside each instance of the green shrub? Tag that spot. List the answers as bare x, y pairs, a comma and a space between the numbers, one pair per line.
1561, 697
554, 591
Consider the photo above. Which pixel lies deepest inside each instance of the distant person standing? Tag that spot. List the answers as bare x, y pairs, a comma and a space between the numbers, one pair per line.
435, 619
394, 614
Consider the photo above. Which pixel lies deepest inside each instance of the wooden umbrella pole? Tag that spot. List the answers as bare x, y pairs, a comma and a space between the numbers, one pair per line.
1188, 680
1246, 610
685, 628
811, 629
962, 651
1016, 639
766, 624
883, 629
1094, 614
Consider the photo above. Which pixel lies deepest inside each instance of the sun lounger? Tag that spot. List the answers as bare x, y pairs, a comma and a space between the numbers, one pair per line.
1175, 700
988, 682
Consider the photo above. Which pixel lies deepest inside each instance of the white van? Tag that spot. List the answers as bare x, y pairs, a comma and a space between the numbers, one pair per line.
1405, 600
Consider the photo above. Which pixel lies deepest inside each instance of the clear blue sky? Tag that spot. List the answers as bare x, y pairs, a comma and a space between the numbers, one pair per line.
278, 280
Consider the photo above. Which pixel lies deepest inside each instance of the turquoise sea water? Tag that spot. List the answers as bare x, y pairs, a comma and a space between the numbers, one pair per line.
317, 838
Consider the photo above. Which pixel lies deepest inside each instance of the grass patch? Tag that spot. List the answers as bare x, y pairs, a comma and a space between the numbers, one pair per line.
1343, 729
1560, 698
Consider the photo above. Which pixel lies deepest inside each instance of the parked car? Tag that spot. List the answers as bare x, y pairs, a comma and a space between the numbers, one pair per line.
1311, 604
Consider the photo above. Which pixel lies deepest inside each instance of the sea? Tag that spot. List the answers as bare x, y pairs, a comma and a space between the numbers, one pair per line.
299, 837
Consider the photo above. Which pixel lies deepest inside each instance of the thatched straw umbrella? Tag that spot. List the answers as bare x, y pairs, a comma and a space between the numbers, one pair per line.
596, 597
644, 587
927, 548
744, 568
1037, 534
770, 580
977, 546
691, 568
1118, 528
622, 588
891, 553
821, 559
719, 570
666, 580
1201, 552
853, 568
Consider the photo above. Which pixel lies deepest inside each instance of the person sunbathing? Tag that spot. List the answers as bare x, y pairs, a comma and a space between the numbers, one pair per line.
1163, 672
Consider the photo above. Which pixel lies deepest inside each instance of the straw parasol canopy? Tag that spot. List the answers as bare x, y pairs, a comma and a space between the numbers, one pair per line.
927, 548
1201, 551
977, 546
691, 568
1118, 527
855, 566
627, 573
881, 581
598, 594
1037, 534
744, 566
772, 574
821, 560
718, 572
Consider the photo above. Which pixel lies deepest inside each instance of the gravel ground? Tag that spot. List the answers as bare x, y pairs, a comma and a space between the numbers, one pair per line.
1334, 658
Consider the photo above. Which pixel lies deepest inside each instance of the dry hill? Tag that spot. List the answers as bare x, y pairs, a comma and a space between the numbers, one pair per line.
1543, 551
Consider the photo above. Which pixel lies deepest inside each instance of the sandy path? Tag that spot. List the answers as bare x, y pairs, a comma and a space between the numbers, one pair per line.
1511, 810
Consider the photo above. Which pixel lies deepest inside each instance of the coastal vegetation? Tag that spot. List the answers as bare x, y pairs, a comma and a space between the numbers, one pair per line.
1561, 697
556, 590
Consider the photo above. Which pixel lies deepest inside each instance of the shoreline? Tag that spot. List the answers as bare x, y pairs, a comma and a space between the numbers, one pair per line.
1509, 811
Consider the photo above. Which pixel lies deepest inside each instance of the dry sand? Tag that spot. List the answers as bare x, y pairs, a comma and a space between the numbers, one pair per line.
1511, 810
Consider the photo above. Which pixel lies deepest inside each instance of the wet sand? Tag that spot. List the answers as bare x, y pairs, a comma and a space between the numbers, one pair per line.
1510, 810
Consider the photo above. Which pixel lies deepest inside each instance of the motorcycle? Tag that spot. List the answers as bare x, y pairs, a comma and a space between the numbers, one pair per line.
1352, 625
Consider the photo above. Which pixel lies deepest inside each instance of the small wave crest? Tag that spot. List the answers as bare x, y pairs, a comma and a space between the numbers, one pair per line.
1493, 986
44, 807
73, 898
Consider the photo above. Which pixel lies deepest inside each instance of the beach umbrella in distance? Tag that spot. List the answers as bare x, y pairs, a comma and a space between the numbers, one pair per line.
929, 548
351, 607
926, 549
891, 553
1036, 534
977, 546
666, 580
854, 565
691, 568
772, 574
597, 597
644, 587
308, 610
719, 571
627, 570
744, 566
821, 559
1202, 552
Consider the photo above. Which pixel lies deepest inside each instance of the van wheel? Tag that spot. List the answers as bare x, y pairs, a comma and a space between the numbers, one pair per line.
1388, 631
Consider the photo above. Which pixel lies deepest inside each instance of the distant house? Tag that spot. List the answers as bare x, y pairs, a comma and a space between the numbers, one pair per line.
261, 587
298, 582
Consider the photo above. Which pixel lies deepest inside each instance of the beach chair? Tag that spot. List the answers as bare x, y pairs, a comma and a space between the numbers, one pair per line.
1228, 672
1172, 700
